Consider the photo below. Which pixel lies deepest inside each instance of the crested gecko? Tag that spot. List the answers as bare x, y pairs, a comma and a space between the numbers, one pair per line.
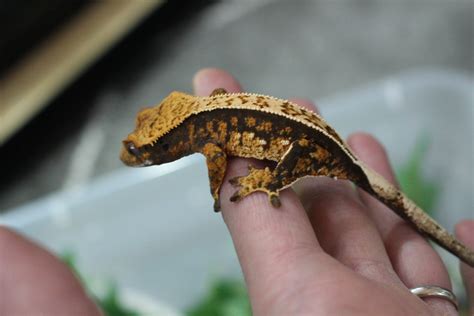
249, 125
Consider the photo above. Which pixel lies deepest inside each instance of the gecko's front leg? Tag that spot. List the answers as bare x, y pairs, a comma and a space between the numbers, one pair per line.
216, 160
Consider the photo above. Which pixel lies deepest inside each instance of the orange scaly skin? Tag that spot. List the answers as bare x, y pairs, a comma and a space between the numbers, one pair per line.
266, 128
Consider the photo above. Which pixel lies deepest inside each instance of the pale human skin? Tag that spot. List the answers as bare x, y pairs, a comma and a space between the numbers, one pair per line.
343, 253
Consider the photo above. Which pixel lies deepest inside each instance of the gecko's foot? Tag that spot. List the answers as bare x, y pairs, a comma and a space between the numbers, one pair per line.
217, 206
274, 199
256, 180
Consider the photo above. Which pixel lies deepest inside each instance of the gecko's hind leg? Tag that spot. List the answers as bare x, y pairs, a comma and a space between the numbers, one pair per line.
303, 158
269, 181
256, 180
306, 158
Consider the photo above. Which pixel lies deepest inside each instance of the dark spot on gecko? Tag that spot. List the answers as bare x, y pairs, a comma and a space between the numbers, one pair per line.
243, 99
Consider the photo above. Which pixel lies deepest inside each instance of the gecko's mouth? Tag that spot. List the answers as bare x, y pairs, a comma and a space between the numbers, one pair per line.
146, 163
132, 160
129, 159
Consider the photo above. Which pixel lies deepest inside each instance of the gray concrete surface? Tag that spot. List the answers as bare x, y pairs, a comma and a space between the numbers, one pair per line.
285, 48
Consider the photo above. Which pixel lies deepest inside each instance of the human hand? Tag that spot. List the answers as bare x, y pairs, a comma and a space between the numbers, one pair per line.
345, 254
34, 282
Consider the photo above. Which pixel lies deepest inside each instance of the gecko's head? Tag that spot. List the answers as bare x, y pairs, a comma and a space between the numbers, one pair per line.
145, 146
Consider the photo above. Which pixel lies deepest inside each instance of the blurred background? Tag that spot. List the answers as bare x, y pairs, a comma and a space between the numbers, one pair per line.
73, 76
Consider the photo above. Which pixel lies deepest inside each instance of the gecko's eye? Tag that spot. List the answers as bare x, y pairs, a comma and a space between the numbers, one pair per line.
132, 149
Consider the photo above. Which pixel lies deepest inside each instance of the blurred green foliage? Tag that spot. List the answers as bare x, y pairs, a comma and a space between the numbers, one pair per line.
412, 181
109, 302
226, 297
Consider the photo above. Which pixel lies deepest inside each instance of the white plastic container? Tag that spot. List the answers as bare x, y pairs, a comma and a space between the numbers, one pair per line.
153, 229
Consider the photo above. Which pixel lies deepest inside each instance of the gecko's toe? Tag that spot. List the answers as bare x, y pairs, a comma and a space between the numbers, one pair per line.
217, 206
236, 197
235, 181
275, 200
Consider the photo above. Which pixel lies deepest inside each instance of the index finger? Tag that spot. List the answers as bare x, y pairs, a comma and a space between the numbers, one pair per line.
268, 240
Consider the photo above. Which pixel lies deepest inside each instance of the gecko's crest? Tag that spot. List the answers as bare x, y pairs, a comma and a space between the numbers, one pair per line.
154, 122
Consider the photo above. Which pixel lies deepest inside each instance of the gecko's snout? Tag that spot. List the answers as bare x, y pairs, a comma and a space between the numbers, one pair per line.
130, 154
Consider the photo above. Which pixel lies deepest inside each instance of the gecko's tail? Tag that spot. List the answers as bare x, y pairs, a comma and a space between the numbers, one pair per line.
407, 209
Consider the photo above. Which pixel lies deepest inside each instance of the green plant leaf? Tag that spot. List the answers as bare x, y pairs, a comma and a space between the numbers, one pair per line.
109, 302
226, 297
422, 191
